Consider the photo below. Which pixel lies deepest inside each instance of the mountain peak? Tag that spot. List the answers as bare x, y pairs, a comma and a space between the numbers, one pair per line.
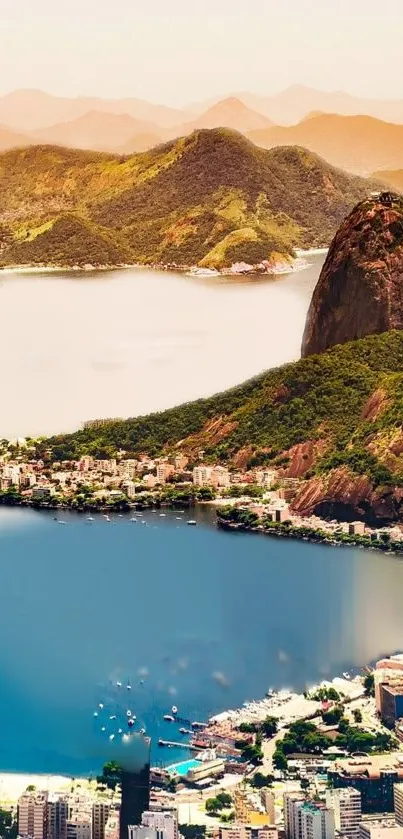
360, 288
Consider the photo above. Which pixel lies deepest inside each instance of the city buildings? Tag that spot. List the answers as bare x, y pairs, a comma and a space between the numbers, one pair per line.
374, 777
317, 821
388, 671
100, 813
346, 804
57, 817
380, 829
33, 815
398, 803
304, 819
164, 821
246, 831
391, 702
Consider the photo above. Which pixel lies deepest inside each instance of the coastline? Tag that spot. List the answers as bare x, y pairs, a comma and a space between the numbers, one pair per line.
309, 534
299, 263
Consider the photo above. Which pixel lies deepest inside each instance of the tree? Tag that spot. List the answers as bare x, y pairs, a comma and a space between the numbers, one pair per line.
357, 715
369, 684
280, 760
259, 780
269, 726
172, 785
111, 775
8, 824
305, 784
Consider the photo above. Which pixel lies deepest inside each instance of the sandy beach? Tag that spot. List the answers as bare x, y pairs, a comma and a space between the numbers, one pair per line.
12, 785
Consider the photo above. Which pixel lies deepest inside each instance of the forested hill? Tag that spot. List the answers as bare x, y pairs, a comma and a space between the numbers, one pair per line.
345, 405
210, 199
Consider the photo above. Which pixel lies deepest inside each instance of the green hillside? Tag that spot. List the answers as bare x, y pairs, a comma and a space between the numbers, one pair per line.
212, 198
345, 406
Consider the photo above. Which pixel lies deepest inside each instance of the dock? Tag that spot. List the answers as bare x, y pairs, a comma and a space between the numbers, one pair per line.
182, 745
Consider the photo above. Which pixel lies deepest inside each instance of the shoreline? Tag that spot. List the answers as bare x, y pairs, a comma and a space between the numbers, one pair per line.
308, 534
297, 264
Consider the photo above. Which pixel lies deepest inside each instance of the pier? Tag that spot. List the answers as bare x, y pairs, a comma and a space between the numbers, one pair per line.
182, 745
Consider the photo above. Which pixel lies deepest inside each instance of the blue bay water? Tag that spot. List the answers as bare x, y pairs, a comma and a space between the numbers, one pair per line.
214, 618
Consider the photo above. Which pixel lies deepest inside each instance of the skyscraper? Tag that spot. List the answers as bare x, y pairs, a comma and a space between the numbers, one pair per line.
135, 797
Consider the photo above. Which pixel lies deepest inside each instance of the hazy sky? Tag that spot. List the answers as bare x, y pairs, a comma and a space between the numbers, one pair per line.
176, 51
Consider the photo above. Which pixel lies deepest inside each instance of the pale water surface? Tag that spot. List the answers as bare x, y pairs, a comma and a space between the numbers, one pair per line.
123, 343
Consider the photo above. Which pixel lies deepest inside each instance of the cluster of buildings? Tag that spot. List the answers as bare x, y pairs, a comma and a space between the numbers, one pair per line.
388, 684
39, 481
341, 813
76, 815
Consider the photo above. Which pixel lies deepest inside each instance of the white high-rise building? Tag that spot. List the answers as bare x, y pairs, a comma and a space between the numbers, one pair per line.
293, 802
162, 820
202, 475
317, 821
304, 819
33, 815
346, 803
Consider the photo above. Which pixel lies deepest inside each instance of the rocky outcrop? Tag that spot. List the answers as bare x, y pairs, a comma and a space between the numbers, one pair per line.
347, 497
360, 288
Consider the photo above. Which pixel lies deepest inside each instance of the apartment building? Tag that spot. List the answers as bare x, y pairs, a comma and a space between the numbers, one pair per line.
165, 821
100, 813
33, 815
346, 804
58, 812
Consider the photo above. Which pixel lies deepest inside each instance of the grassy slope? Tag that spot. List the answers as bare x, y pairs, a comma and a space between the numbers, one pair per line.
212, 198
350, 397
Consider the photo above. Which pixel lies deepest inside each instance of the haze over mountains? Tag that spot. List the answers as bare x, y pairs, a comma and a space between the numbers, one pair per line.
347, 131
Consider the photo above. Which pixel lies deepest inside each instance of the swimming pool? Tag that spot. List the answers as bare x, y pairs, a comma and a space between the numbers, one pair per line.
183, 767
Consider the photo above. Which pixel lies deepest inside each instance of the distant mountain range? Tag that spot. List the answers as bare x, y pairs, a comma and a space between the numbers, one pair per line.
210, 199
358, 143
291, 105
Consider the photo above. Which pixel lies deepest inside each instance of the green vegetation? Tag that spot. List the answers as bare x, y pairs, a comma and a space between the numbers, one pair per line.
8, 824
111, 775
212, 198
221, 802
325, 694
369, 684
357, 715
259, 780
333, 716
319, 398
267, 728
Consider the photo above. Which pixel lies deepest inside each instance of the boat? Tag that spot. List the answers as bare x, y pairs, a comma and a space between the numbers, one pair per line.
118, 684
162, 515
185, 731
133, 519
112, 717
178, 518
90, 518
192, 521
174, 709
106, 518
169, 718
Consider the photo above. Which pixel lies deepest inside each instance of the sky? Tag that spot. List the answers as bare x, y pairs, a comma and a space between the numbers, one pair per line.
178, 51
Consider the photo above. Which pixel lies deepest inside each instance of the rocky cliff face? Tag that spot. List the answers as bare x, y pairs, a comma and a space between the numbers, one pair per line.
360, 288
348, 497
